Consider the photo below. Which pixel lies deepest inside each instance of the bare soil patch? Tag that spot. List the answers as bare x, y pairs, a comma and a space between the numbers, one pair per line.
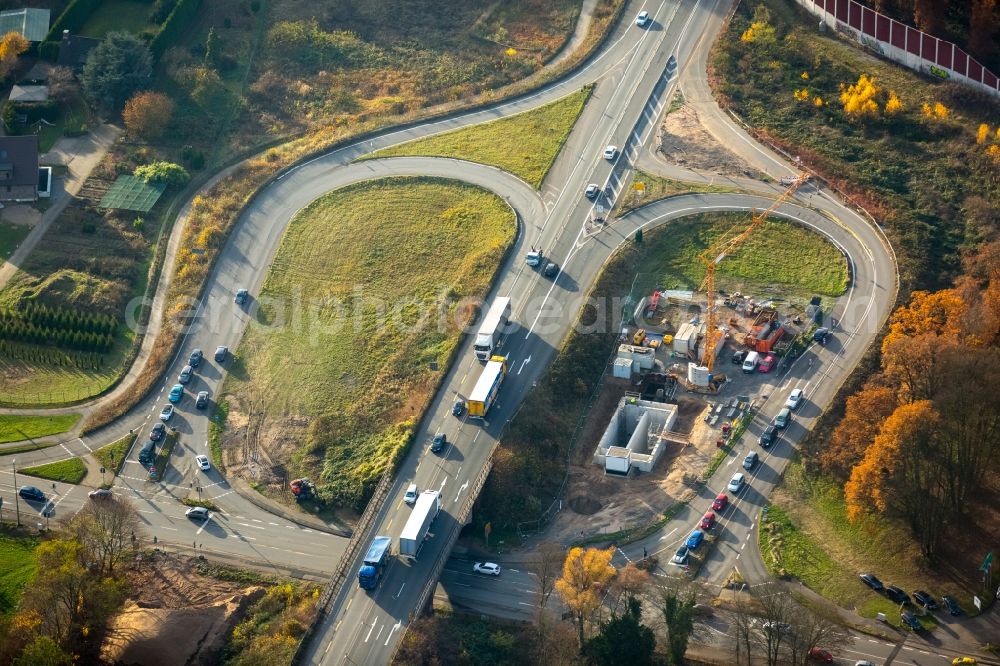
683, 141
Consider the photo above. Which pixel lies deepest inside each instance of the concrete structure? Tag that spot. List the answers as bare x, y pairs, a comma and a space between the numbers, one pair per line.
32, 23
636, 436
644, 357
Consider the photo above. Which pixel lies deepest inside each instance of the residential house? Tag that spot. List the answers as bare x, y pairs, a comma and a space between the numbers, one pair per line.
19, 168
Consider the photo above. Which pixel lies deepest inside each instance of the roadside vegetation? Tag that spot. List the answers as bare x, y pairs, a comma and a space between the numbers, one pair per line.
11, 236
525, 145
273, 627
341, 386
71, 470
655, 188
112, 456
19, 567
14, 428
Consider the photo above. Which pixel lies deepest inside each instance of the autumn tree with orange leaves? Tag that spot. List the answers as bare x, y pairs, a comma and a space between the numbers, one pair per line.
12, 45
587, 573
863, 417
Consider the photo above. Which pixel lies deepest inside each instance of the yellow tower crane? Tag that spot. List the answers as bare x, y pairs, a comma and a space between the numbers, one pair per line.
715, 254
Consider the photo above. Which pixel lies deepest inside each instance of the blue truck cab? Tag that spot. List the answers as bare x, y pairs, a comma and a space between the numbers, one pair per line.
376, 560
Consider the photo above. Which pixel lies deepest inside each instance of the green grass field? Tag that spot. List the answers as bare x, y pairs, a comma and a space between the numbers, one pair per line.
17, 553
112, 456
16, 428
779, 260
71, 470
11, 236
656, 188
118, 15
526, 145
413, 247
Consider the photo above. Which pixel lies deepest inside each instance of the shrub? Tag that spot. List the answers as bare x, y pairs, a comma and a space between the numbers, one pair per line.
162, 172
116, 69
173, 28
147, 115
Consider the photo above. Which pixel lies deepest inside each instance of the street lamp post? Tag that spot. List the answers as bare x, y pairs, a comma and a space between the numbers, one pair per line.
17, 504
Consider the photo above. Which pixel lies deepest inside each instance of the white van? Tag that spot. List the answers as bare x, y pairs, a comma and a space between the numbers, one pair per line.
751, 361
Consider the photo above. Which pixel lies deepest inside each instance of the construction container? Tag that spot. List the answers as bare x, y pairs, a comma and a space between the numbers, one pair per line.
685, 338
643, 356
623, 368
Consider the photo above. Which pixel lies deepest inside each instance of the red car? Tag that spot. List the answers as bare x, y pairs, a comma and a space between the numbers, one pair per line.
708, 521
721, 501
767, 364
819, 654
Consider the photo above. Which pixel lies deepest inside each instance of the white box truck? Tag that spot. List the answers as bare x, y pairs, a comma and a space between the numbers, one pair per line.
417, 525
492, 328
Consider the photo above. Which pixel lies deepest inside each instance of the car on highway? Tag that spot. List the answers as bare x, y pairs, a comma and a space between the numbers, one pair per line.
736, 483
197, 513
220, 353
925, 599
695, 540
721, 502
707, 521
203, 462
681, 556
767, 363
31, 493
610, 152
241, 296
963, 661
166, 412
158, 431
739, 356
201, 402
185, 375
794, 398
951, 605
551, 268
642, 20
440, 441
176, 393
871, 581
592, 191
488, 568
458, 408
820, 655
863, 662
410, 496
783, 418
194, 360
910, 620
750, 461
767, 437
897, 595
100, 493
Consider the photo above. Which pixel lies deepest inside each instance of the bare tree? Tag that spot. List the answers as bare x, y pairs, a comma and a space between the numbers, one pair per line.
62, 84
742, 606
547, 565
808, 631
676, 605
108, 531
777, 613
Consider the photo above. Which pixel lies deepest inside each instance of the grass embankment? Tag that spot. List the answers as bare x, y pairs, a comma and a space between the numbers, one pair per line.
11, 236
806, 534
419, 246
16, 428
656, 188
273, 626
71, 470
525, 145
118, 15
18, 556
112, 456
926, 179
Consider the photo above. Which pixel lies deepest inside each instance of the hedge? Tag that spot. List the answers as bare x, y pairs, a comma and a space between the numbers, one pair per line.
174, 26
73, 17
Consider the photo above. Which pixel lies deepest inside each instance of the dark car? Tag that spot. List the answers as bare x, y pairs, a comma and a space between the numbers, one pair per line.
551, 269
911, 621
739, 356
925, 600
31, 493
951, 605
821, 335
221, 352
201, 402
241, 296
440, 441
158, 431
897, 595
458, 408
194, 360
592, 191
871, 581
186, 373
767, 437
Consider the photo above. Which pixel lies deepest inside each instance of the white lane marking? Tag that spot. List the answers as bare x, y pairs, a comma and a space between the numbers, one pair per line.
463, 487
202, 528
400, 591
524, 363
394, 628
441, 489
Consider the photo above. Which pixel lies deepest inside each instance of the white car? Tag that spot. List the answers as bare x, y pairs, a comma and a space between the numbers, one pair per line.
100, 493
411, 494
794, 398
197, 513
166, 412
610, 152
203, 462
642, 19
486, 568
736, 483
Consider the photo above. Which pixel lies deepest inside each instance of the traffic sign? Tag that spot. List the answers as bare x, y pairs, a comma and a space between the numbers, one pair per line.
987, 561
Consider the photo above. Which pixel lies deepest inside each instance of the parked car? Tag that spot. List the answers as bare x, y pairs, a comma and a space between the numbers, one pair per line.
863, 662
951, 605
910, 620
897, 595
871, 581
100, 494
220, 353
410, 496
166, 412
489, 568
708, 520
767, 364
185, 375
680, 557
592, 191
31, 493
739, 356
201, 402
721, 502
158, 431
736, 483
783, 418
176, 393
197, 513
750, 461
767, 437
440, 441
241, 296
821, 334
925, 600
775, 627
203, 462
458, 408
695, 540
820, 655
610, 152
194, 360
642, 19
794, 398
